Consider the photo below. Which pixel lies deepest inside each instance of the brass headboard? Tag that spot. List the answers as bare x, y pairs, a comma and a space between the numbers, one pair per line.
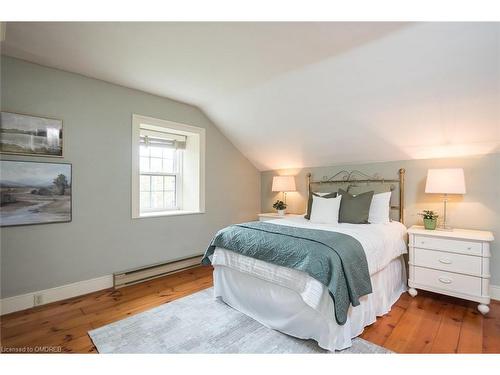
351, 178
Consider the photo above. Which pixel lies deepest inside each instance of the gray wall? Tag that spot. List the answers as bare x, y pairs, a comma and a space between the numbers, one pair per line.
478, 209
102, 238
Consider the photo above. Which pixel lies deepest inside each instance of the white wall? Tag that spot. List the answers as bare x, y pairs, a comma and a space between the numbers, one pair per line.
425, 91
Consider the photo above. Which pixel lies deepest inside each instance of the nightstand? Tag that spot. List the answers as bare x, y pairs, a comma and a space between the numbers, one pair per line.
273, 215
455, 263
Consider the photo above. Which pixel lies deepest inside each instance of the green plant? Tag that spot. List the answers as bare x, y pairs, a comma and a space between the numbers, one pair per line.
279, 205
429, 214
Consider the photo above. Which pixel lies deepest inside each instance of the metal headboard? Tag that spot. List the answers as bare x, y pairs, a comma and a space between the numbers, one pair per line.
353, 177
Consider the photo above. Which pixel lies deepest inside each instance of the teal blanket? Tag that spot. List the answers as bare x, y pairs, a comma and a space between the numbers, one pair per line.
336, 260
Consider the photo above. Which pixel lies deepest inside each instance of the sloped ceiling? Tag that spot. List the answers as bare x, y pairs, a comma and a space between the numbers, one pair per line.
301, 94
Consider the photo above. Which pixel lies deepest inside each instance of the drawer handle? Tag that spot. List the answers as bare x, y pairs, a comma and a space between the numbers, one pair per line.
445, 260
469, 248
445, 280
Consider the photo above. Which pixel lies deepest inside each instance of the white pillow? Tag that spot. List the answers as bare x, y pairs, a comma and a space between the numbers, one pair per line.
380, 208
325, 210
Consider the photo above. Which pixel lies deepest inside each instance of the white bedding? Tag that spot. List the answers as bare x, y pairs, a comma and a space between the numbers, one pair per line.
283, 309
381, 242
293, 302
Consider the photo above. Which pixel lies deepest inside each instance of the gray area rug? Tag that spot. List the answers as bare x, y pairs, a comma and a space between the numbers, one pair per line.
201, 324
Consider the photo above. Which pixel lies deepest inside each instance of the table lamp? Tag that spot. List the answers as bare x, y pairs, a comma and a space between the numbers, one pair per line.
445, 181
284, 184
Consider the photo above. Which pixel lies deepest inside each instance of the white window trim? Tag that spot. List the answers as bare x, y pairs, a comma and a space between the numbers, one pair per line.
160, 125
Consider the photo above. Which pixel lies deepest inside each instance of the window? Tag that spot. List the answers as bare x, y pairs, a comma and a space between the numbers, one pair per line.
160, 170
167, 168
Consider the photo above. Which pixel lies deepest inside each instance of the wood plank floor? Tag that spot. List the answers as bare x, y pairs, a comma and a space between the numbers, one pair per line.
428, 323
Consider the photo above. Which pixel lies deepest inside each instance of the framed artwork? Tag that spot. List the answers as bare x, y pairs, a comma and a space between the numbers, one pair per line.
29, 135
34, 193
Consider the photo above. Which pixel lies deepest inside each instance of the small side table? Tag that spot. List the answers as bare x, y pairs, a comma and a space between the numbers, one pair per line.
455, 263
273, 215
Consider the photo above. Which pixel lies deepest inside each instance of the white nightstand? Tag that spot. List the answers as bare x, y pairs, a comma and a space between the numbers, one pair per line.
455, 263
274, 215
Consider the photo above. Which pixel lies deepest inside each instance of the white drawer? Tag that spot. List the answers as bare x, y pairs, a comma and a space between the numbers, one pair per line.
448, 281
456, 246
448, 261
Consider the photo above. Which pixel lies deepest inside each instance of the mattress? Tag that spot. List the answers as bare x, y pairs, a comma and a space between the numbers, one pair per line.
295, 303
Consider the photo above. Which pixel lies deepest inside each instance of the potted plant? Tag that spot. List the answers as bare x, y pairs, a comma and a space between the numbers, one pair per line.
430, 219
280, 206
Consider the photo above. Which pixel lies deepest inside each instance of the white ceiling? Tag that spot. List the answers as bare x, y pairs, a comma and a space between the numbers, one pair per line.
301, 94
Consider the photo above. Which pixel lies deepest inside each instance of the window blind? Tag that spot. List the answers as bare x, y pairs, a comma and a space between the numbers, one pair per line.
163, 140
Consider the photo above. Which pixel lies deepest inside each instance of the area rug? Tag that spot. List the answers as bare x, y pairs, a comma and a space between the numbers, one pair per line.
201, 324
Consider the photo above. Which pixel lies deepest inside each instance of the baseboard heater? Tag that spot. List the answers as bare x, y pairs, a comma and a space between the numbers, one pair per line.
138, 275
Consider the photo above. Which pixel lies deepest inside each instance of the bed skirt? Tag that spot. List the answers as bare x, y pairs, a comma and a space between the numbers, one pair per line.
284, 309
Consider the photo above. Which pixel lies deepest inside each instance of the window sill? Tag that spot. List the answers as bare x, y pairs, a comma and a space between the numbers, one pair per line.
167, 213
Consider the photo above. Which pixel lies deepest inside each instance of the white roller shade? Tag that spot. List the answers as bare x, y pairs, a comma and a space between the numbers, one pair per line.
164, 140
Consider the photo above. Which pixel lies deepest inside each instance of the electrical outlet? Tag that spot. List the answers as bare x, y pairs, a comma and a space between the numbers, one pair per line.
37, 299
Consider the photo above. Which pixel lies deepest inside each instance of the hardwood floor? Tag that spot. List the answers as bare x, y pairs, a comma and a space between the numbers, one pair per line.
64, 325
432, 323
428, 323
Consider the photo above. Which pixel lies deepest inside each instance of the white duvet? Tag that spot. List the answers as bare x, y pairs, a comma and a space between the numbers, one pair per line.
381, 242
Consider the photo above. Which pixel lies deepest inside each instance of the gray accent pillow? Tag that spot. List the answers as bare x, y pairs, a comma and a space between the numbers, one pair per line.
354, 209
310, 202
376, 188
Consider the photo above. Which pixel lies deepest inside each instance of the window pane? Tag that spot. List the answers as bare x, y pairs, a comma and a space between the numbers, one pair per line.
156, 152
144, 151
157, 183
168, 153
168, 166
144, 164
145, 200
169, 183
169, 199
145, 183
157, 190
155, 165
157, 200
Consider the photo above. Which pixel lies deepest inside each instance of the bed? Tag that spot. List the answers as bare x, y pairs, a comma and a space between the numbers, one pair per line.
297, 304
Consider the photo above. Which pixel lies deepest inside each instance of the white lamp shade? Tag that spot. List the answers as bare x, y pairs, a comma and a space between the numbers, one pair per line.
445, 181
283, 183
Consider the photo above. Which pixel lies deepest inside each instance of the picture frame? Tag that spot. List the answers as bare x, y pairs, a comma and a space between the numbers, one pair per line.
24, 134
34, 192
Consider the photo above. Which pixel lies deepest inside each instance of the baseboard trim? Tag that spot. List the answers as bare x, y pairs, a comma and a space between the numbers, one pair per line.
26, 301
495, 292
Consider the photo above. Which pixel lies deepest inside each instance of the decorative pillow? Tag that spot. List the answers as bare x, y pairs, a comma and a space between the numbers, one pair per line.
380, 209
361, 188
325, 210
354, 209
310, 201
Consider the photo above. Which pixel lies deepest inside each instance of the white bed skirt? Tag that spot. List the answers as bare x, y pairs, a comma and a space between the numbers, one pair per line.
283, 309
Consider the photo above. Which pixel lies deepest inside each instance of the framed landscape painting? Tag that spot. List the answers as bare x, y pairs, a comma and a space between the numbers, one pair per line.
30, 135
34, 193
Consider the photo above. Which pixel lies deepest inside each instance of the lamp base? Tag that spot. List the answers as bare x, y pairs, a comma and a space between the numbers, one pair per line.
444, 228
